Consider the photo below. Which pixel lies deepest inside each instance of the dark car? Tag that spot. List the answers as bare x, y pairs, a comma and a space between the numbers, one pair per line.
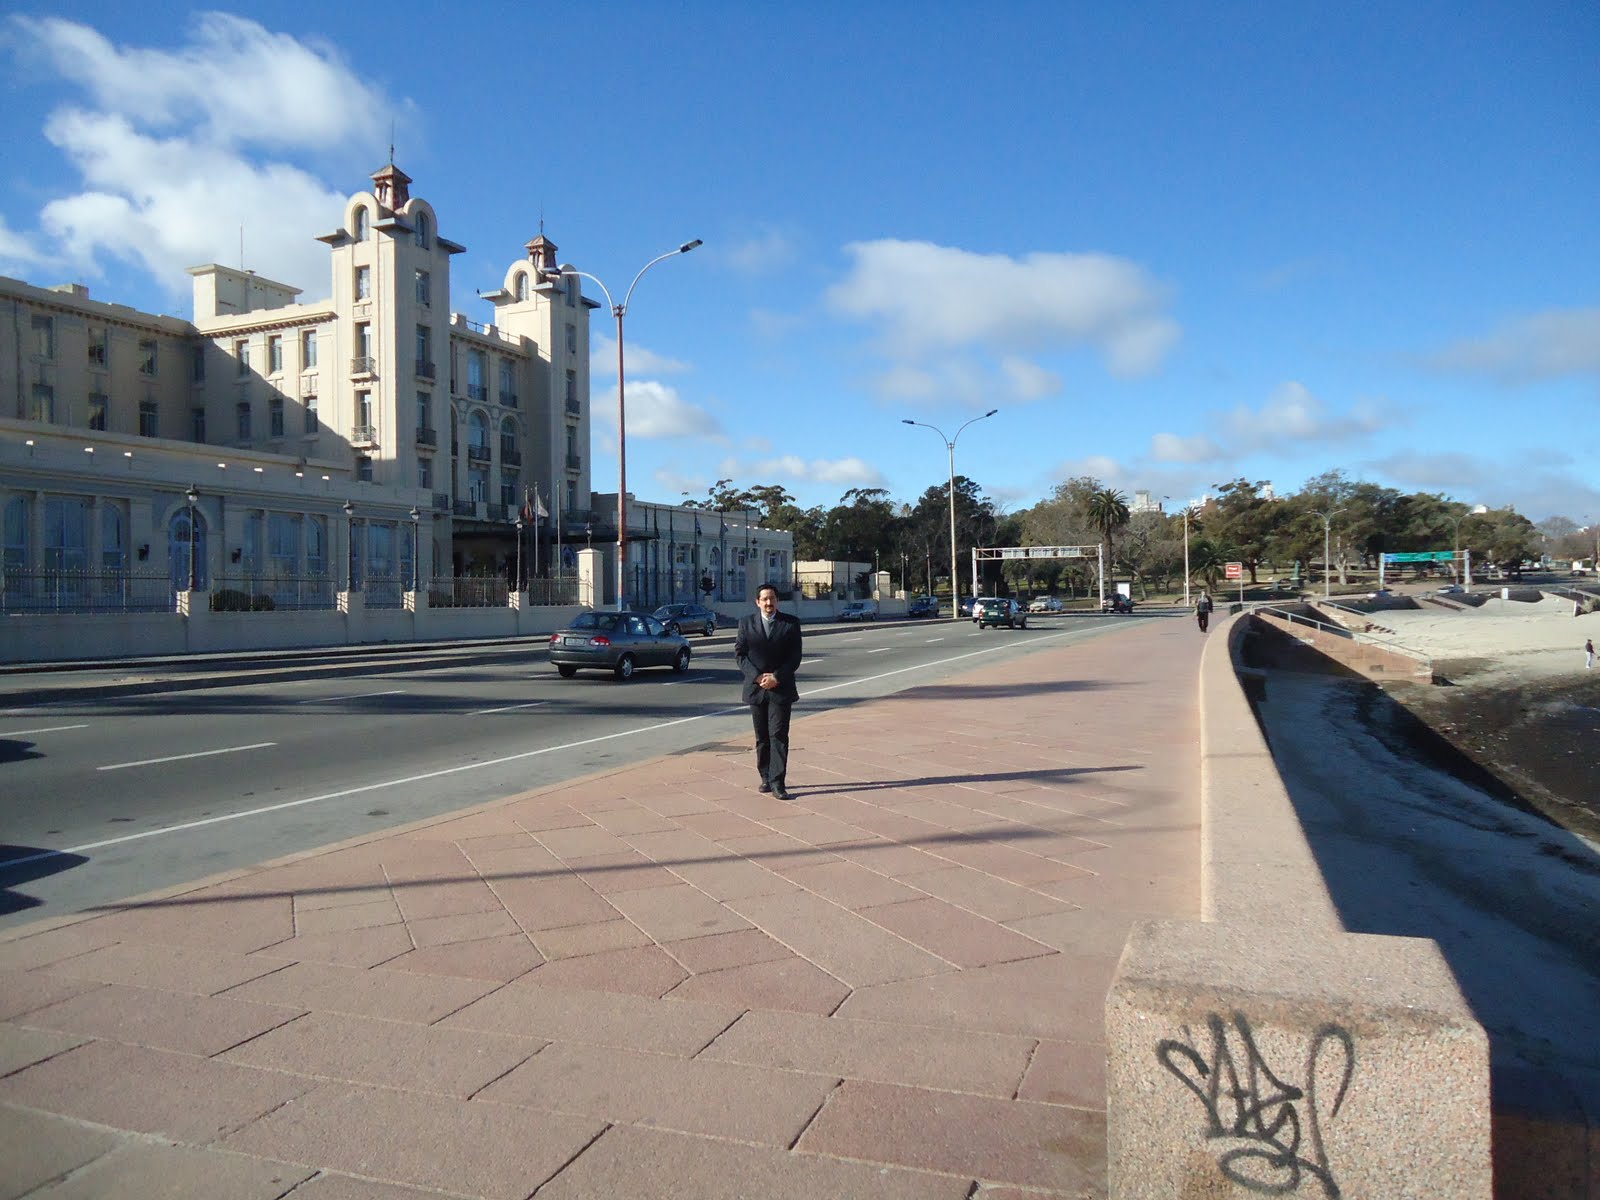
1117, 603
686, 618
923, 606
999, 611
619, 642
966, 606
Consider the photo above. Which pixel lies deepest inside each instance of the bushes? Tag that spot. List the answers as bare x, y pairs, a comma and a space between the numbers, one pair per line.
233, 600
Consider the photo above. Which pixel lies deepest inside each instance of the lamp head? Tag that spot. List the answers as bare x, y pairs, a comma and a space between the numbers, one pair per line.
907, 421
192, 494
688, 246
991, 412
349, 507
415, 514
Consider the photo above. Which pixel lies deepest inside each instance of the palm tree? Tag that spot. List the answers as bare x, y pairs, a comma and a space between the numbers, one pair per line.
1108, 509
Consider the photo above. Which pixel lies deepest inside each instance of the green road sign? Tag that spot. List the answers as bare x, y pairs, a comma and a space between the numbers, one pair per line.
1421, 556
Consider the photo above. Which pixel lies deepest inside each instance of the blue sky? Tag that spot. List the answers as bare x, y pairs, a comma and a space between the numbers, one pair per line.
1173, 244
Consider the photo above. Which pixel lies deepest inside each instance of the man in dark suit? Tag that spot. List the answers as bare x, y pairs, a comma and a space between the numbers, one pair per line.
767, 649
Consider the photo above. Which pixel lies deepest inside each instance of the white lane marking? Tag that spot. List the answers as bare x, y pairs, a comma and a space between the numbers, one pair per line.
493, 762
150, 762
688, 679
47, 729
879, 650
508, 708
362, 696
933, 640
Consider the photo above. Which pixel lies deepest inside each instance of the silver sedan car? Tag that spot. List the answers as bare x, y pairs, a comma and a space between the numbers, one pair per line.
619, 642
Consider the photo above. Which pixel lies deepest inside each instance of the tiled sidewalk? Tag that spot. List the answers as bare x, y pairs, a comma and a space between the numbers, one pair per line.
654, 982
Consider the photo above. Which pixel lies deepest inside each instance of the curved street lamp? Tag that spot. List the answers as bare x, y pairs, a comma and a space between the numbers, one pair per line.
1327, 526
192, 495
950, 444
350, 546
619, 311
416, 563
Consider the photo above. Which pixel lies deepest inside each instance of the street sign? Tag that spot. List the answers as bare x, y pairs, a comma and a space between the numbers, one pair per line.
1235, 570
1421, 556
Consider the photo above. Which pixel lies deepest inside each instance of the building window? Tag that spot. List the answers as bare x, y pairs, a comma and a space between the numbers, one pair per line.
149, 419
522, 285
197, 424
478, 484
424, 289
275, 356
508, 439
308, 349
572, 388
508, 490
424, 235
148, 351
243, 410
425, 473
197, 364
363, 283
99, 402
424, 410
508, 383
361, 223
572, 494
283, 545
571, 289
425, 351
16, 544
97, 347
44, 403
478, 434
363, 408
477, 387
572, 442
364, 468
275, 416
363, 362
66, 534
113, 551
572, 338
311, 413
241, 351
44, 336
316, 548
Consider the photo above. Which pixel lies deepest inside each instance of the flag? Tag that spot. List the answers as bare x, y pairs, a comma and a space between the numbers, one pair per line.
538, 506
697, 524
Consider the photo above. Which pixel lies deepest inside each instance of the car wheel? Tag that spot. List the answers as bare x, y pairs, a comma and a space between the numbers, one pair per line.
711, 627
672, 628
625, 667
681, 663
566, 671
1022, 624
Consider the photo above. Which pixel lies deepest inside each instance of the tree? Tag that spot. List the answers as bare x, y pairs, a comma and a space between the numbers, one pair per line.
860, 527
1108, 509
1245, 521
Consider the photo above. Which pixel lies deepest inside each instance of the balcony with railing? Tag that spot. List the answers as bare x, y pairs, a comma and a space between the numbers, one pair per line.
510, 456
425, 369
428, 437
441, 502
478, 391
574, 462
364, 364
508, 399
499, 512
466, 508
478, 453
574, 408
364, 435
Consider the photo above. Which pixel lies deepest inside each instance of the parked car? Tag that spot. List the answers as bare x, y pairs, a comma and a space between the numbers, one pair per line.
859, 610
997, 612
922, 606
966, 606
619, 642
1117, 604
1453, 589
684, 618
1044, 604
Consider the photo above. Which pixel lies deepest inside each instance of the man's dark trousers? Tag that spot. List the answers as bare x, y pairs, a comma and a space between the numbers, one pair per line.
769, 714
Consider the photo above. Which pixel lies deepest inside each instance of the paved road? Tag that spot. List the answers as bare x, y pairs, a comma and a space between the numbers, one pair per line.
109, 795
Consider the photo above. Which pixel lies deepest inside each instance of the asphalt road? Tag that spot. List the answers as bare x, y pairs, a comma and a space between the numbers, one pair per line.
144, 779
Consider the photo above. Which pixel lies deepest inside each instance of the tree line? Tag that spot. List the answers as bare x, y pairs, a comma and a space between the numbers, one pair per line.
1242, 521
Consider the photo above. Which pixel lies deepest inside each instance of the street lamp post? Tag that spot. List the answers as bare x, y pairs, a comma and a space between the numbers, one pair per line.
517, 578
416, 545
1185, 552
1327, 526
349, 546
950, 444
192, 495
619, 311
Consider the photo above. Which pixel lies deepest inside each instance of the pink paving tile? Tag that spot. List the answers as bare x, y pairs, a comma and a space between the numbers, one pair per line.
954, 934
838, 941
330, 1186
467, 927
678, 805
24, 991
487, 1150
605, 1018
391, 995
723, 1099
477, 826
577, 941
170, 968
946, 814
1005, 862
718, 824
815, 830
721, 950
775, 851
985, 895
222, 918
345, 895
37, 1147
163, 1020
649, 1164
500, 959
422, 1058
629, 871
544, 813
893, 859
988, 1064
631, 818
1002, 1141
345, 947
1100, 932
790, 983
20, 1047
849, 885
638, 970
21, 953
179, 1173
584, 841
1162, 895
1067, 1073
553, 902
178, 1096
367, 915
669, 914
421, 900
1059, 996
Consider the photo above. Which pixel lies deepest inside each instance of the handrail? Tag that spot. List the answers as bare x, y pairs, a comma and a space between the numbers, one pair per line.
1352, 634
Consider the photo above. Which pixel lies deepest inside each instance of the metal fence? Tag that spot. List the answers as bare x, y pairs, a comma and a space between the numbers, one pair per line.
462, 591
553, 591
289, 593
44, 591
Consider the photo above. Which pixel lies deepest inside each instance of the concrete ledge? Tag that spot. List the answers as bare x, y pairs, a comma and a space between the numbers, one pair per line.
1364, 658
1250, 1060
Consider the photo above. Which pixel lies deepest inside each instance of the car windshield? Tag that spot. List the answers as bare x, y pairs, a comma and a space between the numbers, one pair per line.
604, 622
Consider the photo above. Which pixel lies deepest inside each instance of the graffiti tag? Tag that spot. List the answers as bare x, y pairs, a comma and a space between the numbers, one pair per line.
1245, 1100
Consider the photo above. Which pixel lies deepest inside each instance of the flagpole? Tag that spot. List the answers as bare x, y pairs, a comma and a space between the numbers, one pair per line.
537, 505
559, 564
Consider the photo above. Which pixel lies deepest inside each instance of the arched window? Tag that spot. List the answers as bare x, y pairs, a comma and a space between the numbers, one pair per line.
478, 431
361, 223
424, 233
522, 285
16, 533
113, 554
508, 438
186, 557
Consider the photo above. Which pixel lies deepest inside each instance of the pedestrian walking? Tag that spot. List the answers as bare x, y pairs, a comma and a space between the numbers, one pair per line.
1588, 654
767, 649
1202, 611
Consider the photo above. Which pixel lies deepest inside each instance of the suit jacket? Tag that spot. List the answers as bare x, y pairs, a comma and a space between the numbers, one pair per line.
758, 654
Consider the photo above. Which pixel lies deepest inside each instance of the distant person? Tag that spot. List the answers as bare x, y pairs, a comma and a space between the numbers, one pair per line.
1588, 654
767, 649
1202, 611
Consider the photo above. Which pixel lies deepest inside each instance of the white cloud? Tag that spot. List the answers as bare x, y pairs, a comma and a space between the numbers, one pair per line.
760, 253
17, 251
772, 324
657, 411
968, 383
853, 472
180, 148
1292, 413
640, 360
1170, 447
1536, 490
1029, 381
925, 297
1545, 345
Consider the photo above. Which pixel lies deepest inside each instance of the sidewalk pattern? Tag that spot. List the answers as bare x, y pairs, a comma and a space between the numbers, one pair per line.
654, 982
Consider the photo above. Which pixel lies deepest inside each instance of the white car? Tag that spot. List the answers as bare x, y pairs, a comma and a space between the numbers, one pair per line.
858, 610
1046, 604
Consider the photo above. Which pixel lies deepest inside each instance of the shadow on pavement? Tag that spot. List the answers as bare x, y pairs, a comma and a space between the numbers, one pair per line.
23, 864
